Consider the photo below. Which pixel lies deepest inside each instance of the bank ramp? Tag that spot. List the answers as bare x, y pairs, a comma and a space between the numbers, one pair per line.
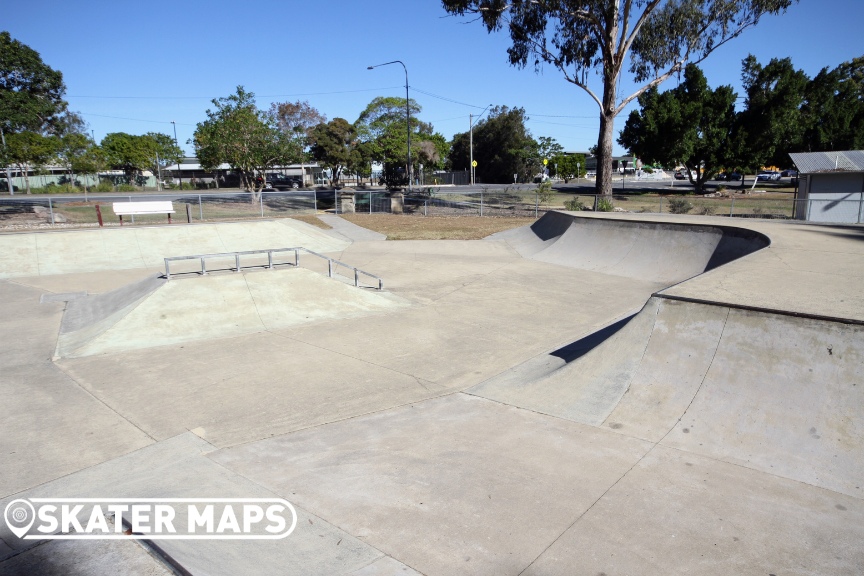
773, 392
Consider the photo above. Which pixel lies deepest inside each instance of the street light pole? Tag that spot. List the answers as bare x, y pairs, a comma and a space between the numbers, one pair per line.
471, 140
407, 113
179, 173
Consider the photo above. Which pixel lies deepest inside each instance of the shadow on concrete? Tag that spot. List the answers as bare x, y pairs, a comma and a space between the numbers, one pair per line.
579, 348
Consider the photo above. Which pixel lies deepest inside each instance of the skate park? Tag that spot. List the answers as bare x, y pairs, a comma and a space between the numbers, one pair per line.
593, 394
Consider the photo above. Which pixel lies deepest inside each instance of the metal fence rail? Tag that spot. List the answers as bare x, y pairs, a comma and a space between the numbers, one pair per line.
238, 265
79, 211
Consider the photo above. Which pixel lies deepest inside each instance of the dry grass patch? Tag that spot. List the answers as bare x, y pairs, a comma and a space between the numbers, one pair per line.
313, 220
405, 227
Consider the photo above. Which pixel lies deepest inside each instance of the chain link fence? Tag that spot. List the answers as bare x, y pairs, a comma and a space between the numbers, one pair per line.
80, 211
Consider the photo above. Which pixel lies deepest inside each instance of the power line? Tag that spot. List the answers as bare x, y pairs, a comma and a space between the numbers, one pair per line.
134, 119
447, 99
257, 95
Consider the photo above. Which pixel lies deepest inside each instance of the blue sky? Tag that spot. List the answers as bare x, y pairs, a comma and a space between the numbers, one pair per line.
135, 67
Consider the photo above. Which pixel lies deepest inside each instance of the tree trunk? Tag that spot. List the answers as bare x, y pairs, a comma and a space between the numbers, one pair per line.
26, 170
604, 141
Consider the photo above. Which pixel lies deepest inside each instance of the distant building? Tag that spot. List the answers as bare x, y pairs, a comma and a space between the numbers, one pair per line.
830, 186
189, 168
617, 164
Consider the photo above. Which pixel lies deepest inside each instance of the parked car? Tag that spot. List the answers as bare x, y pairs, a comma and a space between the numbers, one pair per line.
768, 175
789, 173
283, 182
731, 176
679, 175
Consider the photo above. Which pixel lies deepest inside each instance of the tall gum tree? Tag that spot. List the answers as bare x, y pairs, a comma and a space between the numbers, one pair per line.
653, 39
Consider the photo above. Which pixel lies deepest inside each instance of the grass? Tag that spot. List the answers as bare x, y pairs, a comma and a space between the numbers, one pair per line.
406, 227
313, 220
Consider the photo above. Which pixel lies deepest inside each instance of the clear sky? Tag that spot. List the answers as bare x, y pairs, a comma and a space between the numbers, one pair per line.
134, 67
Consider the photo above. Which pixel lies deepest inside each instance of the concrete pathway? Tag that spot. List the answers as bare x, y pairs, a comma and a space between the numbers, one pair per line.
348, 230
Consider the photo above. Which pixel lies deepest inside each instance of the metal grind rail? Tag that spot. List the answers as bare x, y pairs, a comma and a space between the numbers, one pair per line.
331, 263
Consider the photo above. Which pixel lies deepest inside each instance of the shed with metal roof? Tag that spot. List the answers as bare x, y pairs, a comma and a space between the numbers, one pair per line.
831, 186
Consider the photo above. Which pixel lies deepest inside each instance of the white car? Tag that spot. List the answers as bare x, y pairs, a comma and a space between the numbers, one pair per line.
768, 175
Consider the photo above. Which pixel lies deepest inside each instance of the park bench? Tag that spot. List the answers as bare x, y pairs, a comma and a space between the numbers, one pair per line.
132, 208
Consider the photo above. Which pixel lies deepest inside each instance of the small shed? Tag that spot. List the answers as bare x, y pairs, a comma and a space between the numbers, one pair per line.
830, 186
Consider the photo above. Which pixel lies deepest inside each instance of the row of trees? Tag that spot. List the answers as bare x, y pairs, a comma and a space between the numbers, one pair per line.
81, 156
39, 129
784, 111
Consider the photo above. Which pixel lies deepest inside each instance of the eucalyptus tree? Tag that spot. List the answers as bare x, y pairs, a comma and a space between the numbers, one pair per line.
650, 39
236, 132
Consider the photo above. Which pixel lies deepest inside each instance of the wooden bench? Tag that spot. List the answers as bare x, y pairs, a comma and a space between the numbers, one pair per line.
132, 208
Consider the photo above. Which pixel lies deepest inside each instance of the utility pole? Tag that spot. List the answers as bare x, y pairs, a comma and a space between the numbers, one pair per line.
471, 140
179, 173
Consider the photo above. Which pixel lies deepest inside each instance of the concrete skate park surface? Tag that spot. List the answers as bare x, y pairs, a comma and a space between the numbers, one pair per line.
591, 395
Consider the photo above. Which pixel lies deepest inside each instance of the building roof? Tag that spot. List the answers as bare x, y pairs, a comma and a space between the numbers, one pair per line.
815, 162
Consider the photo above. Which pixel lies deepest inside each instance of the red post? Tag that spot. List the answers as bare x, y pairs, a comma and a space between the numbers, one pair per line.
99, 215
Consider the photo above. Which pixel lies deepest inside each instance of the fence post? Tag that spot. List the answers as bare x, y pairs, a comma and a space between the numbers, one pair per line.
732, 207
481, 202
188, 213
661, 204
370, 202
335, 201
51, 210
425, 207
200, 209
536, 204
99, 215
860, 206
133, 215
315, 199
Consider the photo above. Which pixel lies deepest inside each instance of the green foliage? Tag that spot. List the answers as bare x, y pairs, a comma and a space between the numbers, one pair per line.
503, 146
250, 140
605, 205
126, 188
569, 166
690, 124
332, 146
771, 123
133, 154
548, 148
104, 186
545, 192
574, 205
654, 38
382, 136
31, 92
705, 210
28, 150
679, 206
833, 108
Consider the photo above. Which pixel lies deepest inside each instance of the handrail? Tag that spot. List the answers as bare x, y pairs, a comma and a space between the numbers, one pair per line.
237, 267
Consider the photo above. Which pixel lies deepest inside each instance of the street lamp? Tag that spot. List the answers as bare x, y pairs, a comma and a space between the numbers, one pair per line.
407, 112
471, 139
179, 173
